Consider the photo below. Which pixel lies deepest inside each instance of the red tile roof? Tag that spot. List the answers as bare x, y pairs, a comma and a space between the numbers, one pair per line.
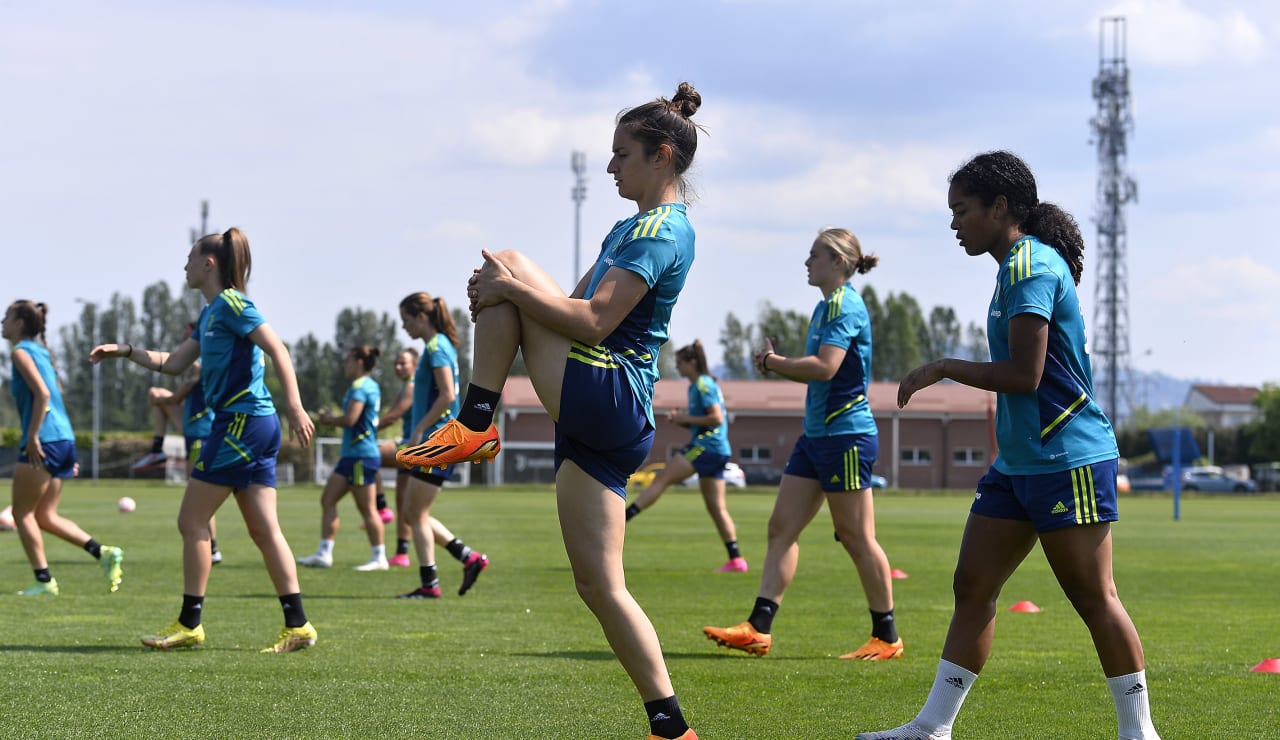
1227, 395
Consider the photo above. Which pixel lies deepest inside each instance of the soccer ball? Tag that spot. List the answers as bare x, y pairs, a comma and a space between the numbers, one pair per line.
126, 505
6, 519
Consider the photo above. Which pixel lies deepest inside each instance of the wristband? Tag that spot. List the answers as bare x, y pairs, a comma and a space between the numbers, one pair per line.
130, 353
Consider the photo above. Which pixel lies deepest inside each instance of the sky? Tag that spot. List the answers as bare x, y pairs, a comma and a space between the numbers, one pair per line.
372, 149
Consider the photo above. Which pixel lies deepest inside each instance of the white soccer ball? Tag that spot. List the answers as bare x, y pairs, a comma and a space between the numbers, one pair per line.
6, 519
126, 505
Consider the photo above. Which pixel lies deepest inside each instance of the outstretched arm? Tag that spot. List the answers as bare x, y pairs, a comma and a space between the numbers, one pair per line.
169, 363
1028, 345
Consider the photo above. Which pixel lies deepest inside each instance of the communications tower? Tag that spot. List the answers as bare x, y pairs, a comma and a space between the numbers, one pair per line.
1109, 340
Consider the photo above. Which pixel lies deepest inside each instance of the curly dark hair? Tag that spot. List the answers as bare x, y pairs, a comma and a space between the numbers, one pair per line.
992, 174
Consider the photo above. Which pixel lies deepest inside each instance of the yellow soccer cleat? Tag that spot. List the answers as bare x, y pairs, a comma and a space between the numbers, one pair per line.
740, 637
450, 444
41, 589
112, 559
175, 636
876, 649
293, 639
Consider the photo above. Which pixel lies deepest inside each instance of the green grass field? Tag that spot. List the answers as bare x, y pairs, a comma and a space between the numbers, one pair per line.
521, 657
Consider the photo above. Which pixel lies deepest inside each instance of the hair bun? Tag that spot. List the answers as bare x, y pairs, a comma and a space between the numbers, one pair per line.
686, 101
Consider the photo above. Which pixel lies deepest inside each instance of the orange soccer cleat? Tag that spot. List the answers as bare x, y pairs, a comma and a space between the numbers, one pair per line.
740, 637
876, 649
451, 443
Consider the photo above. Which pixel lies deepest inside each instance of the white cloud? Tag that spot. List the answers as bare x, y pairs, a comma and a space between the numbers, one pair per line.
1169, 33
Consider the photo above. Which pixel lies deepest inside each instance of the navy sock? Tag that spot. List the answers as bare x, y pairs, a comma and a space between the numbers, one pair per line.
192, 611
459, 550
477, 408
402, 547
762, 615
294, 616
427, 574
883, 626
665, 719
732, 547
43, 575
157, 444
93, 548
381, 501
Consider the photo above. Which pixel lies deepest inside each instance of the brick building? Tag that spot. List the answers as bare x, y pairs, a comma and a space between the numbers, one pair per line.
945, 438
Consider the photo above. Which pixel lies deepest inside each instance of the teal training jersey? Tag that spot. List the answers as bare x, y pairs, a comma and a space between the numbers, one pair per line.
361, 438
703, 394
231, 366
56, 427
839, 405
198, 422
1059, 426
439, 352
657, 245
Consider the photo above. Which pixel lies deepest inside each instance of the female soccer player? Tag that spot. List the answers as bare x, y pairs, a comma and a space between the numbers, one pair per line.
195, 423
706, 453
239, 455
358, 462
1055, 477
832, 460
401, 410
435, 401
592, 358
46, 453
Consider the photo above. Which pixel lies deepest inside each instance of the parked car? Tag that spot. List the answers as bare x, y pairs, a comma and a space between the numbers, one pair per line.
733, 476
1213, 480
763, 475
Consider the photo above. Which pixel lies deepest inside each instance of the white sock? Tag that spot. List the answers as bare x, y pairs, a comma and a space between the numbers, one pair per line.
950, 687
326, 547
1133, 706
379, 552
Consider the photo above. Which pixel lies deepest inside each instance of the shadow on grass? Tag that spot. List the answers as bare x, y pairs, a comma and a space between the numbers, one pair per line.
72, 649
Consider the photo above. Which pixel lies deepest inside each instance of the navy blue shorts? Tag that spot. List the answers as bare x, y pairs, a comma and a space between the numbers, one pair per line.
59, 458
240, 451
603, 427
435, 476
359, 471
839, 463
707, 464
1083, 495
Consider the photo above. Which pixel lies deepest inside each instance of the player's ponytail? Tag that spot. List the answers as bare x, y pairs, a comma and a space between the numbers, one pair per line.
846, 246
367, 355
664, 121
696, 354
230, 250
442, 320
31, 317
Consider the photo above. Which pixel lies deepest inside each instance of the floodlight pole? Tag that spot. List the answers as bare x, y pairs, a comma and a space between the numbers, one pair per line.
578, 161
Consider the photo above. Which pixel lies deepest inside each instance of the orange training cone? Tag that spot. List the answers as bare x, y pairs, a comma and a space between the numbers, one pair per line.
899, 574
1024, 606
1270, 665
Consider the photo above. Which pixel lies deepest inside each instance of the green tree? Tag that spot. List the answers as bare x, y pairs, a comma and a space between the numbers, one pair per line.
735, 348
897, 346
975, 346
1265, 431
944, 334
317, 371
789, 330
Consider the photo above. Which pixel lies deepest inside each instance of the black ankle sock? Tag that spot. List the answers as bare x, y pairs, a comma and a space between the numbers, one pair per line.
381, 501
762, 615
477, 409
665, 719
732, 547
402, 547
43, 575
192, 611
632, 510
427, 575
213, 545
157, 444
294, 616
93, 548
459, 550
883, 627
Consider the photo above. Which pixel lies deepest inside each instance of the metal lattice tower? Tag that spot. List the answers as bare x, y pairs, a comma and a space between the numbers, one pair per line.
1111, 126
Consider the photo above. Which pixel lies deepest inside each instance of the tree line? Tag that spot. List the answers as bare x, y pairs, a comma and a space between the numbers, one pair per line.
903, 337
